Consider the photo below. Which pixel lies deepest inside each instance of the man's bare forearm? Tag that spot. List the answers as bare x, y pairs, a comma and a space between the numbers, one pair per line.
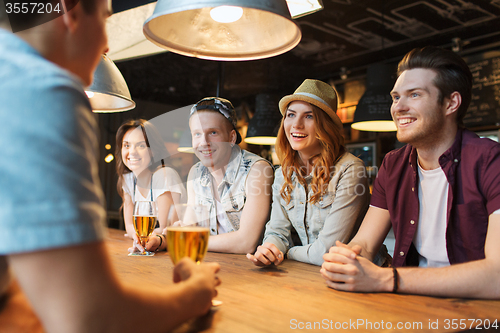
80, 293
475, 279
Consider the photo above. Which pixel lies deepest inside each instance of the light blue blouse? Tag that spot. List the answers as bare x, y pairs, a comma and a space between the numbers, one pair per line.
337, 216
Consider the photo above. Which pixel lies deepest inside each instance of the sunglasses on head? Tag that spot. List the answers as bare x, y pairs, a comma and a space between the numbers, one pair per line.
219, 104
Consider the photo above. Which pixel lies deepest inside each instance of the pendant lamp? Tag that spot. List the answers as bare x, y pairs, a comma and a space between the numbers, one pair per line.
185, 142
108, 91
223, 29
264, 125
373, 112
300, 8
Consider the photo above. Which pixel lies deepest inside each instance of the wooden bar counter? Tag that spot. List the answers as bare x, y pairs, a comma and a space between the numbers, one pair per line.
294, 296
287, 298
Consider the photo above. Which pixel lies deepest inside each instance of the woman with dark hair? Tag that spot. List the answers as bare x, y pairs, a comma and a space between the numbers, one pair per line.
320, 190
142, 174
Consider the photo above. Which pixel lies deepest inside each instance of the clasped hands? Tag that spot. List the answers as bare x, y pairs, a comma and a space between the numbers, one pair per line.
344, 269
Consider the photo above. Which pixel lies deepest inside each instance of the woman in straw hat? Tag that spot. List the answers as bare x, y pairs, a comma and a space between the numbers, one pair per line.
320, 190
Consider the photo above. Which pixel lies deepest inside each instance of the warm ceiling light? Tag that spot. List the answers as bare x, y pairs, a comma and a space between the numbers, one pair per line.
265, 29
108, 91
373, 112
185, 150
226, 14
264, 125
375, 126
185, 142
109, 158
107, 146
261, 140
299, 8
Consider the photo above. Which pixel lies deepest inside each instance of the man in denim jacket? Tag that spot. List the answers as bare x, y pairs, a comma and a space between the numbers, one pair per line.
233, 183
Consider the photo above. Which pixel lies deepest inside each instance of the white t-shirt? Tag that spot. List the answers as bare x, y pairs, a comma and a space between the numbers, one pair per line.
430, 238
164, 180
223, 224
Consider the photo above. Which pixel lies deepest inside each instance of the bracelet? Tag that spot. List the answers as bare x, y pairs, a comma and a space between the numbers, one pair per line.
395, 276
161, 242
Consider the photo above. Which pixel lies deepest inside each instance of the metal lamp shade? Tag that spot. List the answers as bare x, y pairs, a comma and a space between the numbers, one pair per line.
108, 91
373, 112
264, 125
186, 27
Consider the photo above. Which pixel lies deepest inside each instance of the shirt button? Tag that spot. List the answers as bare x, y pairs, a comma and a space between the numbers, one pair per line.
301, 203
213, 230
401, 253
455, 160
412, 222
413, 189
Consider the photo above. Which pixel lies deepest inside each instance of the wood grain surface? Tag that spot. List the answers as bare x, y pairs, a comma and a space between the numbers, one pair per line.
290, 297
294, 296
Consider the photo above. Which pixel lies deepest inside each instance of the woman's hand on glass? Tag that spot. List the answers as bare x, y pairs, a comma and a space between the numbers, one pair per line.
157, 242
136, 245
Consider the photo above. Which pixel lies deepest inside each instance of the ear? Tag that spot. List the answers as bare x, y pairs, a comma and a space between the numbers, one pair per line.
70, 18
453, 102
233, 137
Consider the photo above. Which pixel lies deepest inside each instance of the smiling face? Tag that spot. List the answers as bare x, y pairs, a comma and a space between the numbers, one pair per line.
212, 137
300, 130
135, 152
416, 110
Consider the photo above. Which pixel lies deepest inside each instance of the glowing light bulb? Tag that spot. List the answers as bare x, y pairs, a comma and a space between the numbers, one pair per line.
226, 14
109, 158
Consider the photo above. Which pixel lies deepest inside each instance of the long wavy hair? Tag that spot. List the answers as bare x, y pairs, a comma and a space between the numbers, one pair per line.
332, 144
153, 141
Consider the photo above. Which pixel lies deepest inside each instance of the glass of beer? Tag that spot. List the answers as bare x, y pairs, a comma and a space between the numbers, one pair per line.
145, 215
188, 237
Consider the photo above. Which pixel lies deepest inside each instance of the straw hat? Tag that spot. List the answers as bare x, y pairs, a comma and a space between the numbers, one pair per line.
317, 93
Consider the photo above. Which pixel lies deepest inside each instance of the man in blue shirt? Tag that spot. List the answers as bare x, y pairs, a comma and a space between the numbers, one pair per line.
51, 212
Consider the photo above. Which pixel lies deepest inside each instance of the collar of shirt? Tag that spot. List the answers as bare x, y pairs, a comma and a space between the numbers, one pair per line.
447, 160
231, 170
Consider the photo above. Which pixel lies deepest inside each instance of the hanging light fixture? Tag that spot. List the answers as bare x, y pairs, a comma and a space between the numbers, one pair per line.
264, 125
223, 29
373, 112
185, 142
108, 91
299, 8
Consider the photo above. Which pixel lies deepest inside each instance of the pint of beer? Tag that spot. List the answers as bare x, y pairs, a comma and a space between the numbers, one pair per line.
144, 226
144, 220
188, 237
189, 242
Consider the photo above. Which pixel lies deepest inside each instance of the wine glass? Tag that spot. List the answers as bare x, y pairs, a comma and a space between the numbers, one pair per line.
188, 236
145, 215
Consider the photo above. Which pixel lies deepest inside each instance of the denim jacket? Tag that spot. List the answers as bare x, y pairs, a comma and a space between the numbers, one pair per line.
337, 216
232, 191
